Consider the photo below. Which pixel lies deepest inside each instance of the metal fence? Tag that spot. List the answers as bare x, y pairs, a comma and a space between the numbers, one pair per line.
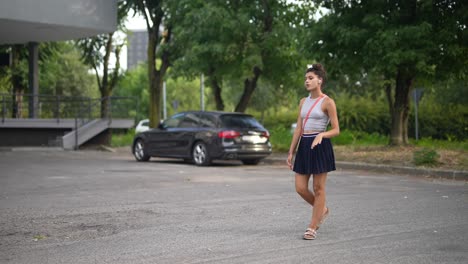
66, 107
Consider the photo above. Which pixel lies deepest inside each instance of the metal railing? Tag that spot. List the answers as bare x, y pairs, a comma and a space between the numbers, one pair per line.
65, 107
105, 108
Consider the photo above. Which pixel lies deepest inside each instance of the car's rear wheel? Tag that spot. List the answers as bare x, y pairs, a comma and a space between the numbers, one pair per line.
139, 151
200, 155
250, 161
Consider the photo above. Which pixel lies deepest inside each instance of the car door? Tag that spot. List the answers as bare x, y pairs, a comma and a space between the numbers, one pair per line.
184, 135
162, 140
208, 127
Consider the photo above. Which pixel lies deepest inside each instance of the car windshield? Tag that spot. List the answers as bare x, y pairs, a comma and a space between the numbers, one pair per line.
240, 121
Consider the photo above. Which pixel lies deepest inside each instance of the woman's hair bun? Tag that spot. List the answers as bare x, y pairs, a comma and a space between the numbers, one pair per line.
319, 70
318, 67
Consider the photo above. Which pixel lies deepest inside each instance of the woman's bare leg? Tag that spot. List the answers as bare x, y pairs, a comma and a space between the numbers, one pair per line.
319, 193
302, 188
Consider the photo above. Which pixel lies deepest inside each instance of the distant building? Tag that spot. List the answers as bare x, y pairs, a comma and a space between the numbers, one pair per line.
137, 48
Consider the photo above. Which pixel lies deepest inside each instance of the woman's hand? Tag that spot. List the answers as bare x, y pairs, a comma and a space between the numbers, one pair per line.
289, 160
317, 140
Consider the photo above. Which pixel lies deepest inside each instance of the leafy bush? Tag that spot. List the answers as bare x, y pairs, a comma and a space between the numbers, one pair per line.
280, 139
439, 121
372, 139
441, 144
425, 156
123, 139
346, 137
364, 114
278, 118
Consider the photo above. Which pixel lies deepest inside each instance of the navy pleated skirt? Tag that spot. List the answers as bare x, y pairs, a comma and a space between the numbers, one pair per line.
318, 160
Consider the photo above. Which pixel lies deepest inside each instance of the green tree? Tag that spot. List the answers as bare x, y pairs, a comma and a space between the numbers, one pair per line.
160, 17
238, 42
185, 91
205, 34
17, 74
97, 52
398, 41
135, 82
187, 94
64, 74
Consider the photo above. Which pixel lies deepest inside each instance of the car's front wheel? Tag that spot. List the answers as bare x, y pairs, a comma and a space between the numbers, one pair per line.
139, 151
200, 155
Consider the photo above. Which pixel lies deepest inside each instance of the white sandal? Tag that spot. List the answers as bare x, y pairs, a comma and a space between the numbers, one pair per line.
310, 234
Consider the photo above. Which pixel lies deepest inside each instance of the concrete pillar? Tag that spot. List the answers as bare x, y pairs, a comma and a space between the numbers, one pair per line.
33, 77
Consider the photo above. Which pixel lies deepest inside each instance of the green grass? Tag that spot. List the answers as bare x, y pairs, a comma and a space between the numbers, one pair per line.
123, 139
357, 138
280, 139
441, 144
426, 156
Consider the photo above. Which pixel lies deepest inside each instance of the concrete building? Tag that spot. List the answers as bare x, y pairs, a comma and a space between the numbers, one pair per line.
137, 48
23, 21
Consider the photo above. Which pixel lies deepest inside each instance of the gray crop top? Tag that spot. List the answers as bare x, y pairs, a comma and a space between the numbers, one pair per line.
318, 120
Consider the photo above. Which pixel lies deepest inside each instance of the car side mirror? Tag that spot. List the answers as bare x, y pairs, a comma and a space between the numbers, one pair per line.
161, 126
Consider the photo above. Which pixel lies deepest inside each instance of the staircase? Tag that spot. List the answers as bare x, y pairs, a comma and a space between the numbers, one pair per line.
77, 137
80, 118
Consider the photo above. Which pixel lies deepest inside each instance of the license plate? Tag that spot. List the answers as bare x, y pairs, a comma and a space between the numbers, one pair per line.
254, 139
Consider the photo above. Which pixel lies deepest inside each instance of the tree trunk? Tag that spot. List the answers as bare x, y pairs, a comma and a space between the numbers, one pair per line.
107, 84
17, 104
16, 82
155, 98
216, 92
400, 109
153, 79
249, 88
106, 137
156, 76
109, 80
105, 88
105, 103
154, 15
251, 84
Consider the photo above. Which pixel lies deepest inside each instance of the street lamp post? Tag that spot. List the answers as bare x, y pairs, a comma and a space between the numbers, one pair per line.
417, 95
202, 92
164, 101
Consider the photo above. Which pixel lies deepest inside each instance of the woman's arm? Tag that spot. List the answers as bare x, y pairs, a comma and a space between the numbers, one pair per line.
296, 135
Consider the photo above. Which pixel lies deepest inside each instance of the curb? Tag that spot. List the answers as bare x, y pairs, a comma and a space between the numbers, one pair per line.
423, 172
29, 149
433, 173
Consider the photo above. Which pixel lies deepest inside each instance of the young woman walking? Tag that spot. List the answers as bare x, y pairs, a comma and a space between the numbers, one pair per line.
315, 152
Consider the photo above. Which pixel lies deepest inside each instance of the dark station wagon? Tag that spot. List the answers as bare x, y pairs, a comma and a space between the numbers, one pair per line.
201, 137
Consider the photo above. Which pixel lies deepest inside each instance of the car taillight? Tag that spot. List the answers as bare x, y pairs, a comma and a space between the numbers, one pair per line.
266, 134
228, 134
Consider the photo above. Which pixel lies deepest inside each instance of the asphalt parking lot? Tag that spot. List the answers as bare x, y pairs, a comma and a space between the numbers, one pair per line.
103, 207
